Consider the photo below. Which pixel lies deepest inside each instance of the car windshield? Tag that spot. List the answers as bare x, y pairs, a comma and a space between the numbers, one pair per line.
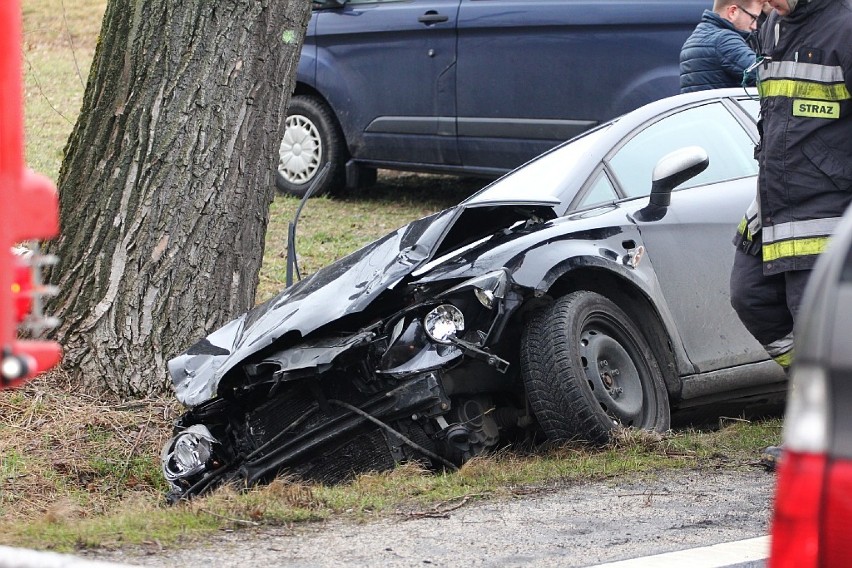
544, 178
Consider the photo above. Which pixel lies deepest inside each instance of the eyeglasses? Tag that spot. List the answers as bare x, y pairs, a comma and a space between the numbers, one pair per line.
753, 17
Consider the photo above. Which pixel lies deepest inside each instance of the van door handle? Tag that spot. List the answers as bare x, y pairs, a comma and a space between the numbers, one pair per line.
432, 17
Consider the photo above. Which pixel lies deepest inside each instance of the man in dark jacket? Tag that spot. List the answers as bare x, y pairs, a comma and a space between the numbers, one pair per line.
805, 158
717, 53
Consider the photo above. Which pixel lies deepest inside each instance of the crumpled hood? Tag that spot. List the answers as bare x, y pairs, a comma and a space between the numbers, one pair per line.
344, 287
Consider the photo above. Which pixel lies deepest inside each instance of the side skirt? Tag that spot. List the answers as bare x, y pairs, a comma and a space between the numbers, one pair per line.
737, 383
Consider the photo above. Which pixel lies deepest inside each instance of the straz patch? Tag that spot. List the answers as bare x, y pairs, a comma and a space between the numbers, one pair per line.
816, 109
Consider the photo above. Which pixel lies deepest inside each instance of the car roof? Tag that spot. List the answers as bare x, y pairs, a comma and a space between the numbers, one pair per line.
644, 113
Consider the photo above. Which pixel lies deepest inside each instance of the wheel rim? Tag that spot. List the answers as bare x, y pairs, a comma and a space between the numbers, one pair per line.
300, 152
616, 382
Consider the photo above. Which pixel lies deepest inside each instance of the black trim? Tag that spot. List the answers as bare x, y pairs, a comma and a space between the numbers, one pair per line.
535, 129
510, 128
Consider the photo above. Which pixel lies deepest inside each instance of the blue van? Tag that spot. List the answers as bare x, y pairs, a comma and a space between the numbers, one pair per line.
469, 87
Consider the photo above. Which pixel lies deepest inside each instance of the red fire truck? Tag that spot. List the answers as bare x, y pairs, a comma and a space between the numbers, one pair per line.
28, 211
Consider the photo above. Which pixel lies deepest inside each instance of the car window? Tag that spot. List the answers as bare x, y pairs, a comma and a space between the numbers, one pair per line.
710, 126
600, 191
751, 106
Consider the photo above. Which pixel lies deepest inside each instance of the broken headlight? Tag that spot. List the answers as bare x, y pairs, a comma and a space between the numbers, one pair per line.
187, 453
412, 347
444, 322
458, 320
486, 288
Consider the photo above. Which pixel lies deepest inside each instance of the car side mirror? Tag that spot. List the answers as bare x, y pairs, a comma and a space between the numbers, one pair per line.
675, 168
672, 170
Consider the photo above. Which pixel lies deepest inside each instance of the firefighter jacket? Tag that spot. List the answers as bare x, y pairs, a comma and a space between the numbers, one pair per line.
805, 152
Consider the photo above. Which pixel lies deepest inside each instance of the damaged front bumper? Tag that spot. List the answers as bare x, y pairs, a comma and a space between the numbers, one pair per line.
426, 383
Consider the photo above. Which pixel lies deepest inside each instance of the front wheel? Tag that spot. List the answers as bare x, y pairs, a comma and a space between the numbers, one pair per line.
312, 138
589, 369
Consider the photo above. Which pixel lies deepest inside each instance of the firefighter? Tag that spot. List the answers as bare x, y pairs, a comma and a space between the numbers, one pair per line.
805, 160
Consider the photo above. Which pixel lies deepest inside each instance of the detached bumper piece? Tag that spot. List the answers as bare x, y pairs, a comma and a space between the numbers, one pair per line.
304, 433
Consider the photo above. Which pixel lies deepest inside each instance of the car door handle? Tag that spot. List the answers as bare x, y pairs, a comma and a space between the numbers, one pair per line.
432, 17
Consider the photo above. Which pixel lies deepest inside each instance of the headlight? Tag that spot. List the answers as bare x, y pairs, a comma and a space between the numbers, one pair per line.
188, 453
444, 322
486, 287
485, 297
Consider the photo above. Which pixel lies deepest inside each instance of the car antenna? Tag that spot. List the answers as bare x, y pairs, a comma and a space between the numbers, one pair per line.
292, 263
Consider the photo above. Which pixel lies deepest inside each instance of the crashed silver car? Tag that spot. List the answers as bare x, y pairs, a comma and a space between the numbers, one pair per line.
585, 291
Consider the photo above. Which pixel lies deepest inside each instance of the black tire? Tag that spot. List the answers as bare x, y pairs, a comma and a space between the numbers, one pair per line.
588, 369
312, 138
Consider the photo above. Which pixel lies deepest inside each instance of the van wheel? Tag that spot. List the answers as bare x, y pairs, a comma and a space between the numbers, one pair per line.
312, 138
588, 369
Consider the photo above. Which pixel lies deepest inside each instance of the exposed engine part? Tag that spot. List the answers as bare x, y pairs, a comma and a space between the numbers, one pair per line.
396, 433
468, 429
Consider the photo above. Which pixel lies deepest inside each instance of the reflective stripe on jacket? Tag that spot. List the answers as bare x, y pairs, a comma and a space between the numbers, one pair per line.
805, 153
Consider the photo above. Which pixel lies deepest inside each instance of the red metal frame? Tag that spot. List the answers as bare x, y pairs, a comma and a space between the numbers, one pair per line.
28, 207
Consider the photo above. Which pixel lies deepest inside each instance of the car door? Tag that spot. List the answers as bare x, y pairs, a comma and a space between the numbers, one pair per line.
387, 68
691, 247
534, 73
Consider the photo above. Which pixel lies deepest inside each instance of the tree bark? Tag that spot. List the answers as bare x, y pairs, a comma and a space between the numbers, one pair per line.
167, 180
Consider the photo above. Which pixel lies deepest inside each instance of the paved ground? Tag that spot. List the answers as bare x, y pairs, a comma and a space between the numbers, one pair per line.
580, 525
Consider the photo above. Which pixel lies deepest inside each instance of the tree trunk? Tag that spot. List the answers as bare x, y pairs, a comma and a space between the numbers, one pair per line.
167, 180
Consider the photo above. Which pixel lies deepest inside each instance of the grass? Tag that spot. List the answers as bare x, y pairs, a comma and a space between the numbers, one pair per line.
331, 228
77, 472
58, 45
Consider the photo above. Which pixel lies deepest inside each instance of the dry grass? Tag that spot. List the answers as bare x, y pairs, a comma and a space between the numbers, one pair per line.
65, 455
61, 24
58, 46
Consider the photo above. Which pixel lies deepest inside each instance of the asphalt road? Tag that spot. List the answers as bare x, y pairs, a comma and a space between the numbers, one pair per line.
576, 525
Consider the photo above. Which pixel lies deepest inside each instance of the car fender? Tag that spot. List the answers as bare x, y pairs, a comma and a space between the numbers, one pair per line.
333, 88
549, 262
